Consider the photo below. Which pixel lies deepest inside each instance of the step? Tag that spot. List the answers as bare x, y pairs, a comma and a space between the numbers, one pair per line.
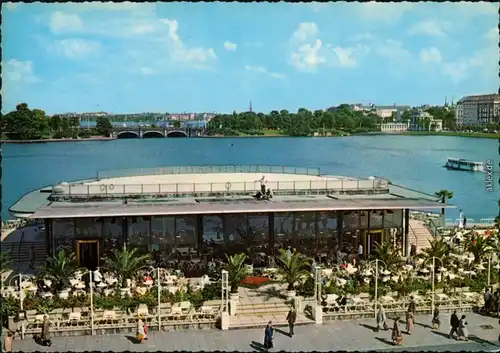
239, 322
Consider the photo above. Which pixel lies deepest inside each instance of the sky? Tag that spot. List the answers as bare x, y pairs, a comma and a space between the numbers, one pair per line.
217, 57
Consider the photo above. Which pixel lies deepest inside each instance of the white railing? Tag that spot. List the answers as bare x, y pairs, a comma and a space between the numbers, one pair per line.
319, 186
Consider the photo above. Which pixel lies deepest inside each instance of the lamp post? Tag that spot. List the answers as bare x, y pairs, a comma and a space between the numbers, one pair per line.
434, 258
91, 287
159, 271
20, 277
489, 270
377, 261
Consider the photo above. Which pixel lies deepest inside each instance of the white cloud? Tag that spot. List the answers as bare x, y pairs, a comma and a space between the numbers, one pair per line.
146, 71
305, 32
427, 28
195, 57
492, 34
361, 37
263, 70
19, 71
230, 46
430, 55
75, 48
61, 22
308, 52
392, 49
462, 68
389, 12
11, 5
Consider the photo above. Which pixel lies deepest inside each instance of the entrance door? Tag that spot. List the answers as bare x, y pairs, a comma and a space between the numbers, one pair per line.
372, 238
87, 253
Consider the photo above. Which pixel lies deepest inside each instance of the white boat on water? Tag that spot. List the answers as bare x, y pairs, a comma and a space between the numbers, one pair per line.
463, 164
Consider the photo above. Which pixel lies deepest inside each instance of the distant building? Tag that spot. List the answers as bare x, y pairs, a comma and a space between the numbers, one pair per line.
478, 110
384, 111
392, 128
420, 120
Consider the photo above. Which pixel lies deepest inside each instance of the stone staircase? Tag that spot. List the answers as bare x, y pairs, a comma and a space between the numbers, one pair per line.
419, 234
20, 252
257, 315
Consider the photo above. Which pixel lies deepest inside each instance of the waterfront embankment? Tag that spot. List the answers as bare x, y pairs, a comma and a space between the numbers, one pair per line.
485, 135
61, 140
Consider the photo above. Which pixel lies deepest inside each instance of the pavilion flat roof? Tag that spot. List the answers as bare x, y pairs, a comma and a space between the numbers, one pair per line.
118, 209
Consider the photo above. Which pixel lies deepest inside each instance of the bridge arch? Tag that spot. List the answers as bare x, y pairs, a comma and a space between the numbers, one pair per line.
177, 133
127, 135
152, 134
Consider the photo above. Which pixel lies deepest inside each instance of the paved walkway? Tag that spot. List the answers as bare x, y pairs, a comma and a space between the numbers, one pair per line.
334, 335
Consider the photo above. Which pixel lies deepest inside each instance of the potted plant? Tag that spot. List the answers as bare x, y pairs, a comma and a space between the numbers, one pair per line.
236, 272
59, 269
293, 268
124, 264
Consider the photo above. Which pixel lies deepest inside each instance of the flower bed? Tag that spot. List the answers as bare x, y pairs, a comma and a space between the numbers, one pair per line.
255, 281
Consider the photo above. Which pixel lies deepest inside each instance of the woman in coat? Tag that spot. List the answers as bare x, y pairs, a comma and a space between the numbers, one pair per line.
397, 337
268, 335
463, 333
46, 331
409, 322
140, 334
382, 318
436, 322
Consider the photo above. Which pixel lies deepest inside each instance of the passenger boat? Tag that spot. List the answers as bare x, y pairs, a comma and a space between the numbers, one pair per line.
463, 164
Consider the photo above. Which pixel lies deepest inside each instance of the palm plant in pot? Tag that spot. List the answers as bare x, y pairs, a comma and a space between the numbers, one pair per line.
236, 273
59, 269
124, 264
293, 268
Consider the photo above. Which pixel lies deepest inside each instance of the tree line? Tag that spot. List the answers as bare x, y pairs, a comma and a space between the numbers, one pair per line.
33, 124
339, 120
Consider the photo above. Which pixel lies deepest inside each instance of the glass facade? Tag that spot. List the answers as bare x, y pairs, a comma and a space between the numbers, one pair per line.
204, 237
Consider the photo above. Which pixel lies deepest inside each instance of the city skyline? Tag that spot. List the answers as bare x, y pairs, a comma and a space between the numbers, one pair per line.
132, 57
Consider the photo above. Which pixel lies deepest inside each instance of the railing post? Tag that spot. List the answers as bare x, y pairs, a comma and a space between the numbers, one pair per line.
159, 188
194, 187
310, 185
88, 190
123, 189
294, 185
142, 189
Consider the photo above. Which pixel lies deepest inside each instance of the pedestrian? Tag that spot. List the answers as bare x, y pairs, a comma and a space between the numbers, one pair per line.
454, 322
412, 307
397, 337
360, 252
487, 300
465, 222
291, 318
7, 342
497, 302
381, 318
409, 322
436, 322
46, 341
462, 329
268, 336
140, 329
413, 250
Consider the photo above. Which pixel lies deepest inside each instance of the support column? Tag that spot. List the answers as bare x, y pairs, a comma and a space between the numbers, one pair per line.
199, 230
406, 231
272, 235
124, 239
368, 236
340, 228
49, 237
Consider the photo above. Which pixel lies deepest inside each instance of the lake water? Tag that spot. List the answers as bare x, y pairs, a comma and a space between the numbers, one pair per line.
412, 161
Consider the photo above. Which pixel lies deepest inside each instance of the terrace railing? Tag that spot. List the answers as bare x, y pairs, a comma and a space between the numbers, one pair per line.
207, 169
228, 187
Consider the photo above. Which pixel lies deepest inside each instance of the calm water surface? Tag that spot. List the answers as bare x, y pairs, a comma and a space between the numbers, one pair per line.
412, 161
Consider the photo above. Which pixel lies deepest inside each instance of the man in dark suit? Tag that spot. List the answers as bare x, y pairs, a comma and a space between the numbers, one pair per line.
291, 318
454, 323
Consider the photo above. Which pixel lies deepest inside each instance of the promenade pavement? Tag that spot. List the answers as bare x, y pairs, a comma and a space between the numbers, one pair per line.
334, 335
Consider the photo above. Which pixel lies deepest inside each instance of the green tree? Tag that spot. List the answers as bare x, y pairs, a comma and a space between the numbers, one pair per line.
385, 252
236, 270
60, 269
444, 195
125, 263
103, 126
176, 124
293, 268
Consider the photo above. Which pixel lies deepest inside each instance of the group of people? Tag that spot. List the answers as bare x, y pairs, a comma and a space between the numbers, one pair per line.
458, 325
291, 318
492, 301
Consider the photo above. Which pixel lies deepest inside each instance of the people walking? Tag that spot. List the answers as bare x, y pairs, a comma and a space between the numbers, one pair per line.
7, 342
381, 318
409, 322
140, 334
463, 333
454, 323
46, 341
268, 336
487, 296
412, 307
32, 257
291, 318
396, 336
436, 322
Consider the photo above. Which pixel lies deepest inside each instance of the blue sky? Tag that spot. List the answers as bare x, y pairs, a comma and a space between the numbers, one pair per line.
177, 57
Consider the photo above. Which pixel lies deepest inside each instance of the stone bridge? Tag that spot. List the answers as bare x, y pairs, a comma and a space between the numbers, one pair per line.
154, 132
